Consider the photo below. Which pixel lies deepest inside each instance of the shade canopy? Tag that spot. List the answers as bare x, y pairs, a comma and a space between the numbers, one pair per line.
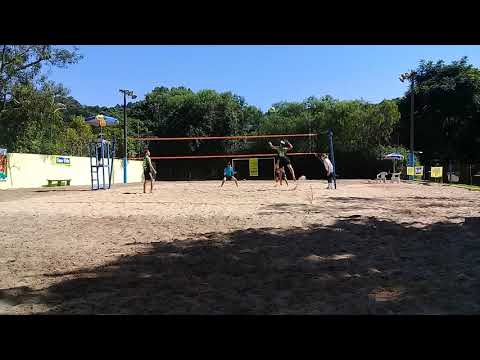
394, 156
101, 120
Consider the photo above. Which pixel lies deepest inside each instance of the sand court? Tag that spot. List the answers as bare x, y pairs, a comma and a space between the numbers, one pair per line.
193, 247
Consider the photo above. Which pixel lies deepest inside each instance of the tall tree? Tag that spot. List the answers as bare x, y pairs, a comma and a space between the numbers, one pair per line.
33, 121
447, 110
358, 125
182, 112
31, 111
22, 64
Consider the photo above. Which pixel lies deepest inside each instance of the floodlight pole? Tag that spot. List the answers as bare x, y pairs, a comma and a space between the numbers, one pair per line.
125, 139
411, 76
412, 122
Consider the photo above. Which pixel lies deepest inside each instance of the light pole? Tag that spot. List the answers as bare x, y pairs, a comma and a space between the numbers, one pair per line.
415, 153
138, 135
410, 76
125, 141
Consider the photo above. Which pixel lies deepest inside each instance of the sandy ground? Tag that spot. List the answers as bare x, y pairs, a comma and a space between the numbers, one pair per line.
191, 247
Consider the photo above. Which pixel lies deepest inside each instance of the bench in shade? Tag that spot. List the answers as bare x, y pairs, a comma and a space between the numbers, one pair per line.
59, 182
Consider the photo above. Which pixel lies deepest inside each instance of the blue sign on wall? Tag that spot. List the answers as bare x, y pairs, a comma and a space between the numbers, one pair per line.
63, 160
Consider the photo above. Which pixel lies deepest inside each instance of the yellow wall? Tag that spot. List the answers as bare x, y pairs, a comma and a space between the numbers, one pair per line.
33, 170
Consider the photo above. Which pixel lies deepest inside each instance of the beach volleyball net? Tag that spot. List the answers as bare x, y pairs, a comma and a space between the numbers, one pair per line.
204, 157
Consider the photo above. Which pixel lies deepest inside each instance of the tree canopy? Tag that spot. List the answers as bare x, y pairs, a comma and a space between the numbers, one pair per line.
447, 110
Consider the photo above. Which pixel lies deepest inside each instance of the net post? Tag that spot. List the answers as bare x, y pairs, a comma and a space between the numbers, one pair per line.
274, 169
112, 178
90, 153
103, 162
332, 156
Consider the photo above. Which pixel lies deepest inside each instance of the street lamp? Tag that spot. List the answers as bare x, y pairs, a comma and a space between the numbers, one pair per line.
411, 77
126, 93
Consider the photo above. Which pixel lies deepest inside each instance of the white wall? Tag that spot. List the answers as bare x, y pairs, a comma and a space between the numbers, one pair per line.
33, 170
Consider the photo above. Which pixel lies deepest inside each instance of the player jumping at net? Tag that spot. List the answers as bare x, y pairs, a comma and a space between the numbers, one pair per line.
149, 172
282, 158
228, 174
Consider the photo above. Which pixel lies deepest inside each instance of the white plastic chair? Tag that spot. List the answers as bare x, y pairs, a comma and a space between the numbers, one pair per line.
395, 177
452, 177
382, 176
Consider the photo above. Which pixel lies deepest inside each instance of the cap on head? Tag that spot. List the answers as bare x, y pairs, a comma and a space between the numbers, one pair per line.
282, 142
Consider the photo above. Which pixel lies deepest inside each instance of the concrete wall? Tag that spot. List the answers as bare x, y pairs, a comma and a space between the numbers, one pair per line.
33, 170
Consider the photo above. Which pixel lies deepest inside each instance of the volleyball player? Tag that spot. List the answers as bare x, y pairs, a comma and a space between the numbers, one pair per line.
282, 158
228, 174
328, 168
280, 175
149, 171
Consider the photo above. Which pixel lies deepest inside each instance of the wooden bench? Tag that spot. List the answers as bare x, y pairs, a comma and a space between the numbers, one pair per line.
59, 182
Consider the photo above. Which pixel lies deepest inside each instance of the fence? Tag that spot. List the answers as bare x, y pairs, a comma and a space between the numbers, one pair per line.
452, 172
457, 172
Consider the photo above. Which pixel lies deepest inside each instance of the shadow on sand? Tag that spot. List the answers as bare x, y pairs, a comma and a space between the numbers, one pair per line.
357, 266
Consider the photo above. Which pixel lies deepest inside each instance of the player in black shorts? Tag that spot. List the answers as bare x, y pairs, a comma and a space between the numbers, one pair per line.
229, 174
280, 175
282, 159
149, 172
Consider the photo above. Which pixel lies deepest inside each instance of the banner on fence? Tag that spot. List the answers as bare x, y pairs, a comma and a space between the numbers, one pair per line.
3, 164
253, 167
410, 171
436, 172
418, 170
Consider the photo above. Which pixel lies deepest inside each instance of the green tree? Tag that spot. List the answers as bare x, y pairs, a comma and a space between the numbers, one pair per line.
31, 108
182, 112
447, 110
22, 64
357, 125
78, 135
33, 120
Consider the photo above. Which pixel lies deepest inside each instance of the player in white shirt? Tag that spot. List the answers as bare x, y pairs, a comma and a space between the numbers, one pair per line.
329, 169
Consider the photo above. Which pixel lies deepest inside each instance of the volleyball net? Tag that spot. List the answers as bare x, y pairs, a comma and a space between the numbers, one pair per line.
254, 149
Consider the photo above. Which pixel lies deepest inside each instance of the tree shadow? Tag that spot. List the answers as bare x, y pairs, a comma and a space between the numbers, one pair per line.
320, 205
348, 199
359, 265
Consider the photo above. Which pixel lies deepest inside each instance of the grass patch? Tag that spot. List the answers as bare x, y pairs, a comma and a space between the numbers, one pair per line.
469, 187
463, 186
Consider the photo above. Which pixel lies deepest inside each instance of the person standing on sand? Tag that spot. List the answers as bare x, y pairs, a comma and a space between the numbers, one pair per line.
328, 168
149, 172
228, 174
280, 175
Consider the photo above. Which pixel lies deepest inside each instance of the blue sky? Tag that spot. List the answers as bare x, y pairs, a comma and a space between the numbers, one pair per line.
262, 74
